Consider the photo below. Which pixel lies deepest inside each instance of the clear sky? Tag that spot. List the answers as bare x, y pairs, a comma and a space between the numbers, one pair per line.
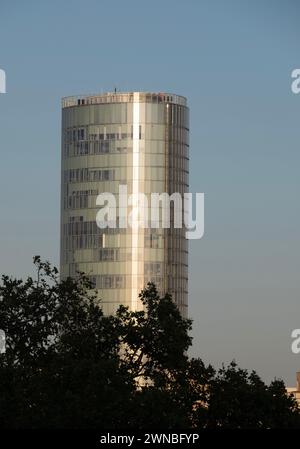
233, 61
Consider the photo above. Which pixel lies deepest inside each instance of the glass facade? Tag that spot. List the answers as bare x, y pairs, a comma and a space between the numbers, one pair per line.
135, 139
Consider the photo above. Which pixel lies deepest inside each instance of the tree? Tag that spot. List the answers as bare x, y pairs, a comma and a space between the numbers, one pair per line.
239, 399
61, 367
67, 365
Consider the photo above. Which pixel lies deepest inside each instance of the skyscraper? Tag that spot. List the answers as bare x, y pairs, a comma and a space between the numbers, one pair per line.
135, 139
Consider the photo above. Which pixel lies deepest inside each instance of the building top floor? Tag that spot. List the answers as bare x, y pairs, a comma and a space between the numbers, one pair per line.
123, 97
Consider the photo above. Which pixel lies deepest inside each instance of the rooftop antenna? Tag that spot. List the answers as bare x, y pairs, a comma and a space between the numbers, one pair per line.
115, 90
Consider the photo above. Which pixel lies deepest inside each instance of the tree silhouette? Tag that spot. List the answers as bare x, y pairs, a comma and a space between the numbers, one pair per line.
67, 365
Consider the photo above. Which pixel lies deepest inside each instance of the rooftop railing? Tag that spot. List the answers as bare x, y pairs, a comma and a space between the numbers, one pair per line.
123, 97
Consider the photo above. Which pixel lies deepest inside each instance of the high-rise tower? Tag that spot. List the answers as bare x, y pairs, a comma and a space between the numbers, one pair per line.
136, 139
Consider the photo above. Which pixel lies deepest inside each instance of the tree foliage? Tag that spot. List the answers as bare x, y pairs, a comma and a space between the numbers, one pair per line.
67, 365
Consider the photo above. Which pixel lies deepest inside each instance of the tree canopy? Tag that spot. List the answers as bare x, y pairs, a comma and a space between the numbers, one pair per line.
67, 365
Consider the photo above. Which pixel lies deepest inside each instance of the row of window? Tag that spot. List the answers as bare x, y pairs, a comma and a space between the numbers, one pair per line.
79, 134
78, 227
87, 228
93, 148
175, 133
84, 192
177, 285
76, 242
120, 281
88, 174
102, 255
86, 148
108, 281
94, 241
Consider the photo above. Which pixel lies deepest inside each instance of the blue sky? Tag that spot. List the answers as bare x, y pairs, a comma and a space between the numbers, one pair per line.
233, 61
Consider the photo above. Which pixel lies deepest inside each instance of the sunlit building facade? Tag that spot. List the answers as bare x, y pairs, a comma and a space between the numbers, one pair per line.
135, 139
